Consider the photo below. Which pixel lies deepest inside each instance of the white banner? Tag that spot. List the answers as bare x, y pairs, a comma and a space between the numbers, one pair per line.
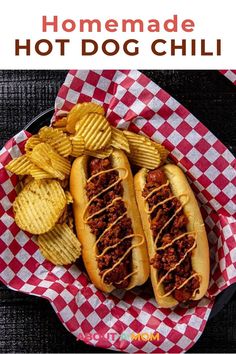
152, 34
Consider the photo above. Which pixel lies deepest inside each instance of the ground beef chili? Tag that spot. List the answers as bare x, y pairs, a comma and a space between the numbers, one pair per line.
99, 223
166, 259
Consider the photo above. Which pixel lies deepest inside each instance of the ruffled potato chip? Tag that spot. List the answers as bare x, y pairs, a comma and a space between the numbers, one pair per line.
119, 140
79, 111
162, 151
38, 173
46, 158
143, 151
60, 245
23, 166
20, 166
95, 130
57, 139
39, 205
77, 143
32, 142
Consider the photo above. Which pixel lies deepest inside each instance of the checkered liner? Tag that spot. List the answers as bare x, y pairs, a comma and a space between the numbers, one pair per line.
128, 97
230, 74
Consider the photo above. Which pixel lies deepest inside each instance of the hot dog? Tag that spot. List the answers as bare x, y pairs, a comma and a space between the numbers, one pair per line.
175, 234
108, 223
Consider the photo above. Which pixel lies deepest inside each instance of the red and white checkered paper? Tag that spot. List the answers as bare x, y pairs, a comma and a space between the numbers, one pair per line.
229, 74
131, 102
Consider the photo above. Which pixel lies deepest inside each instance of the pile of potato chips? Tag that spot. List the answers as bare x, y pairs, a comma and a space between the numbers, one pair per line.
91, 134
43, 205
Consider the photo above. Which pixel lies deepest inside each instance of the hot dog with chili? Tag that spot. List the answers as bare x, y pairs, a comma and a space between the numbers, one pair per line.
175, 234
108, 222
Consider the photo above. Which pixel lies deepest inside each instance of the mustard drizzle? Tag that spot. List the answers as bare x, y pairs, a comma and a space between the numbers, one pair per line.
101, 210
106, 189
109, 227
115, 245
173, 268
150, 211
124, 255
175, 239
109, 170
172, 217
127, 276
156, 190
184, 283
181, 260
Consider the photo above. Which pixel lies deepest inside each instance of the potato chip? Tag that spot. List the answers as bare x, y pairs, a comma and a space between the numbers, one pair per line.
20, 166
57, 139
60, 245
79, 111
77, 143
46, 158
143, 151
95, 130
119, 140
32, 142
38, 173
23, 166
39, 205
162, 151
100, 154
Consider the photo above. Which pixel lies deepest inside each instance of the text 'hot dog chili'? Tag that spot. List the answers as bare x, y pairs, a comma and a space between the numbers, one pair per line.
175, 233
108, 223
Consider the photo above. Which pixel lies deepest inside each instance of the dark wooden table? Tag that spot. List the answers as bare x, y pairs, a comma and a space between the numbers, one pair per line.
29, 324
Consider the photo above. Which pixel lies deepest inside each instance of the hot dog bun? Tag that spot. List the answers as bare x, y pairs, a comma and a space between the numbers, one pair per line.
78, 178
200, 255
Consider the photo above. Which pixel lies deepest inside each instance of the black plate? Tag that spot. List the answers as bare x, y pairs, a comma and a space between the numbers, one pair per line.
44, 119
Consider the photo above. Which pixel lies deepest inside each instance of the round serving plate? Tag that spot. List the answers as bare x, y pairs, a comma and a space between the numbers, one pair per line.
44, 119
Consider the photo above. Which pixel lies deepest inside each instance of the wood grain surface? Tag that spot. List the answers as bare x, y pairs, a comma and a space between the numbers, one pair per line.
29, 324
